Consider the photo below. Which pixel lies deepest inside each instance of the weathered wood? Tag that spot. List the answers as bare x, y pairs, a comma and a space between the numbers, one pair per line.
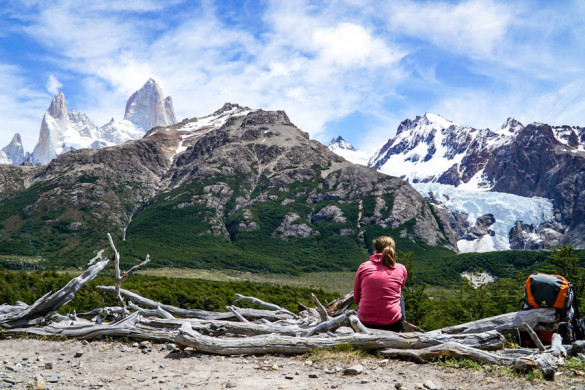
575, 348
331, 325
130, 329
357, 325
234, 310
505, 323
250, 314
463, 351
340, 305
556, 346
34, 314
320, 308
188, 337
218, 328
534, 337
120, 278
270, 306
158, 312
5, 308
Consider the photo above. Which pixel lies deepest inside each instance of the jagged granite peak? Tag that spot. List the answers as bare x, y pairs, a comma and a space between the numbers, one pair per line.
58, 108
340, 143
148, 108
13, 153
511, 125
431, 148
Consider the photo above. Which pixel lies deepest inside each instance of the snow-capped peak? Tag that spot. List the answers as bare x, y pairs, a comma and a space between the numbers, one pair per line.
346, 150
61, 132
340, 143
511, 126
191, 130
436, 120
13, 153
148, 108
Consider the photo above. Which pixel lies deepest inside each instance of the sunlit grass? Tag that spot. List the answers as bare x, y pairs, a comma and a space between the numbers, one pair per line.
21, 259
334, 282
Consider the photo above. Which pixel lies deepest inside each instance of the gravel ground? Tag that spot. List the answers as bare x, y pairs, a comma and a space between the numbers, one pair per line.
77, 364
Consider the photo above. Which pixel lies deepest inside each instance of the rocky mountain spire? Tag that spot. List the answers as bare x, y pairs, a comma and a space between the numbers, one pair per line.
58, 109
148, 108
13, 153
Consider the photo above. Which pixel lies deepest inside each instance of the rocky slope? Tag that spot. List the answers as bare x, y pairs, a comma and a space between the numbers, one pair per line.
534, 161
240, 188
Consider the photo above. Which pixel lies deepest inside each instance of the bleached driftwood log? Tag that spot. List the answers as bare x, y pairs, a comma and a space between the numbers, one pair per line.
120, 278
158, 312
188, 337
340, 305
525, 363
333, 324
269, 306
250, 314
129, 327
218, 328
533, 336
320, 308
505, 323
35, 313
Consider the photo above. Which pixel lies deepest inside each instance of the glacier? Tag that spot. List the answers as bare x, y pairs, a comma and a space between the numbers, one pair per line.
506, 209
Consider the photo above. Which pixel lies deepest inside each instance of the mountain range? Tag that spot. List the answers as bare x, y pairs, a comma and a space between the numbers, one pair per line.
518, 187
239, 188
62, 131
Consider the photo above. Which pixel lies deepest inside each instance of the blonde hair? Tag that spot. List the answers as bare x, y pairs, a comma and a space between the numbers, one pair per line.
386, 246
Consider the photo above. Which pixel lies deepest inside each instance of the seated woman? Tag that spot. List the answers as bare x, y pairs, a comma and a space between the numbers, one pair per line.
377, 288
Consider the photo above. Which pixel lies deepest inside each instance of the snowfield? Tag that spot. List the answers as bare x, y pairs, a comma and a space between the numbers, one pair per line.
506, 209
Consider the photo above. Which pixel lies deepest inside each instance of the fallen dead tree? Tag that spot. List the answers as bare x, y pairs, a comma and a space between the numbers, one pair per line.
275, 329
22, 315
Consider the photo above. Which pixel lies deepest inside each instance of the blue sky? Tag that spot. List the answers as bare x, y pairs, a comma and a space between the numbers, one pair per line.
354, 68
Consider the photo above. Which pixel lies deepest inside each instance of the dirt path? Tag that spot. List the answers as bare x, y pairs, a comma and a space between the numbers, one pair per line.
113, 365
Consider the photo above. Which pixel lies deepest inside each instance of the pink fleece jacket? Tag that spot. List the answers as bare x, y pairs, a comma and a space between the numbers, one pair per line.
377, 291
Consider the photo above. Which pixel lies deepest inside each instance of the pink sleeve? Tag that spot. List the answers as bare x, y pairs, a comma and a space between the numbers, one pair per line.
357, 286
405, 275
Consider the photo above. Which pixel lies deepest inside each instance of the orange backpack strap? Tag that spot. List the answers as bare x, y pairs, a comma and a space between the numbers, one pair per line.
560, 301
528, 291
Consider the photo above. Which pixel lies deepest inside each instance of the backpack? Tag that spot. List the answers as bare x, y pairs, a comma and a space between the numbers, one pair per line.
544, 290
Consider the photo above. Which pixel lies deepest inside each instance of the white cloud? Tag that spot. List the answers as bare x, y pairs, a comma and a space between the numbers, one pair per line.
53, 85
319, 61
21, 107
473, 27
350, 44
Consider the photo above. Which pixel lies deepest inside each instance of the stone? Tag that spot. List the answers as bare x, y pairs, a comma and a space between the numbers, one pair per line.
429, 384
289, 377
48, 365
314, 375
39, 382
10, 367
230, 384
398, 385
53, 379
79, 353
354, 370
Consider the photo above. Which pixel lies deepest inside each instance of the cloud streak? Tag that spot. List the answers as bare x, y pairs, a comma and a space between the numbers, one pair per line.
475, 62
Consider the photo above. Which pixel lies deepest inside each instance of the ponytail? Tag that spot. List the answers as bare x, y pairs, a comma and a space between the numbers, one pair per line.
386, 246
389, 257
